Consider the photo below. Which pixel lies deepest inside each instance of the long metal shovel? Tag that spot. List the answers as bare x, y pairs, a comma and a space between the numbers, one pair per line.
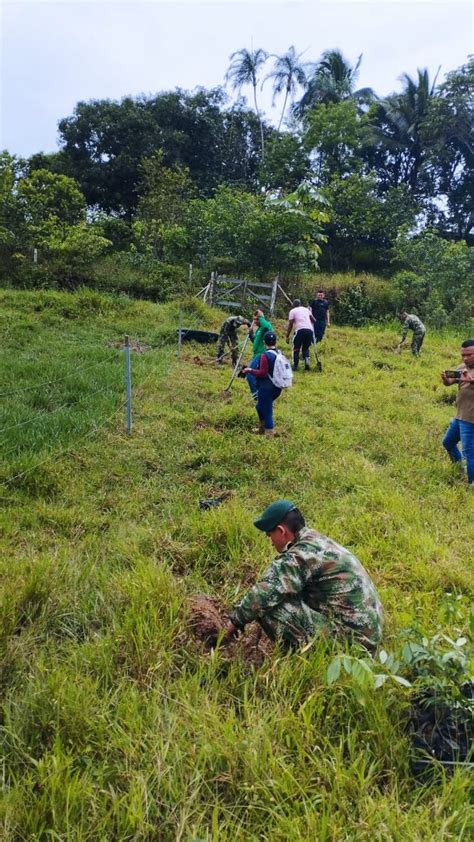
236, 367
318, 361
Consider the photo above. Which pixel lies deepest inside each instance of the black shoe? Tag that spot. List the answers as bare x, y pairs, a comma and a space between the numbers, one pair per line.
295, 368
307, 367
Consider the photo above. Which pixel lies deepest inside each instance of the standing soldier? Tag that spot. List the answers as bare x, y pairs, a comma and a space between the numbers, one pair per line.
313, 587
228, 335
411, 322
320, 310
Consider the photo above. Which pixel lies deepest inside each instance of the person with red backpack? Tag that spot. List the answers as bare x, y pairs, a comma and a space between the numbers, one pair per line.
272, 375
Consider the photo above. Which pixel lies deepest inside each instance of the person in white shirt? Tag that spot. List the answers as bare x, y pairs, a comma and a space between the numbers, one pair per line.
301, 320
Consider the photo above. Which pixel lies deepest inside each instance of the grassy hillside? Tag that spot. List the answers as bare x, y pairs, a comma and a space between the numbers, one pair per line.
116, 725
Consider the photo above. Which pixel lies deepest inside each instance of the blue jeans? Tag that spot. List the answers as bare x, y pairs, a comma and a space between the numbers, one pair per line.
461, 431
251, 379
267, 393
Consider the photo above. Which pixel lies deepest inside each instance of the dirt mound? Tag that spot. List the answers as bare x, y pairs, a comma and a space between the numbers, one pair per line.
208, 618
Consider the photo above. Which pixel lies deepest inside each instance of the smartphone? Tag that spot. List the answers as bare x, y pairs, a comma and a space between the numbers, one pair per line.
455, 374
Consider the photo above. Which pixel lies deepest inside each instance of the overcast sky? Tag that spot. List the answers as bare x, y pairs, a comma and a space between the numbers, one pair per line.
57, 53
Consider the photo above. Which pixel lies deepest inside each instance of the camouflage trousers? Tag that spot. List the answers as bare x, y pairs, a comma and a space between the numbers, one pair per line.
294, 622
416, 343
232, 340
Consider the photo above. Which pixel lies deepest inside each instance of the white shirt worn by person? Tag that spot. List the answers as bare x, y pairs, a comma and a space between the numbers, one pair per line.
301, 317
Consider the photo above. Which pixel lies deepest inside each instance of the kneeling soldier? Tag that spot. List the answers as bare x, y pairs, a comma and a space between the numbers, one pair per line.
315, 586
228, 334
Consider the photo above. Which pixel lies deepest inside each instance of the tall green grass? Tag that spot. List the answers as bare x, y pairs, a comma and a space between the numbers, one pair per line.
115, 725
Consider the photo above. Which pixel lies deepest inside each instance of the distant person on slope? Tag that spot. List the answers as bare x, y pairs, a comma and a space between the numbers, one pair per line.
412, 322
258, 329
320, 312
228, 336
314, 587
302, 321
461, 428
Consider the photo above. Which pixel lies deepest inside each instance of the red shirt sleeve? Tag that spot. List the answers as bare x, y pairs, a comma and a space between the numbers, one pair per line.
262, 370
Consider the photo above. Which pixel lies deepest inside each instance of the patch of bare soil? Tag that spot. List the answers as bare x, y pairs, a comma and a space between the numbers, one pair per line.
207, 619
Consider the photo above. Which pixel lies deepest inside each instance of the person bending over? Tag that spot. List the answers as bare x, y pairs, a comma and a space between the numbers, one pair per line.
302, 321
412, 322
314, 587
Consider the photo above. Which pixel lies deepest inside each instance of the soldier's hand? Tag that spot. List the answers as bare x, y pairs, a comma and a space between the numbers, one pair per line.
230, 632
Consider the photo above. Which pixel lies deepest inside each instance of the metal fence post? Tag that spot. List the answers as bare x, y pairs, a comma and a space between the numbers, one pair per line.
179, 332
128, 383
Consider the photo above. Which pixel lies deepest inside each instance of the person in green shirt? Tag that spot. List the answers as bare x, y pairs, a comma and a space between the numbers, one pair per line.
260, 326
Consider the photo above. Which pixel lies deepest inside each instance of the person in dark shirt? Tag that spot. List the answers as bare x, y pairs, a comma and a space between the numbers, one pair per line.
320, 310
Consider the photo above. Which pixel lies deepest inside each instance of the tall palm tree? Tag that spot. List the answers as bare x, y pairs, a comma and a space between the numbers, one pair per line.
287, 74
243, 70
397, 125
333, 80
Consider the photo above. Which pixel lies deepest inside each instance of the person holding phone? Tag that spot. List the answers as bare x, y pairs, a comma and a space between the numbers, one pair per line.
461, 428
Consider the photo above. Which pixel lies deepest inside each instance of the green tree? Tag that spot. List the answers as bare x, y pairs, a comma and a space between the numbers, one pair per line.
243, 70
333, 80
50, 204
364, 225
436, 277
398, 151
286, 163
287, 74
447, 131
256, 235
334, 135
104, 143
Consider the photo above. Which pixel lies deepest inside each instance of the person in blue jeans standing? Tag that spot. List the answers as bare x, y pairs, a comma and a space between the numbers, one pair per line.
461, 428
267, 392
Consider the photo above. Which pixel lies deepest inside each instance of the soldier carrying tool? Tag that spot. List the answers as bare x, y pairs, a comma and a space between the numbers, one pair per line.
314, 587
412, 322
228, 335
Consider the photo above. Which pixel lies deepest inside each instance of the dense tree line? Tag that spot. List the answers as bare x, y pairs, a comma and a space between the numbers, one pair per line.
179, 177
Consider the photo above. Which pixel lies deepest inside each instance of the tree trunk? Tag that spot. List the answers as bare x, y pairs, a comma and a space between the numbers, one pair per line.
283, 110
260, 121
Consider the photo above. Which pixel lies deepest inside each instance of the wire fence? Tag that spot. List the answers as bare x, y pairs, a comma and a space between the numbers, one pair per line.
46, 414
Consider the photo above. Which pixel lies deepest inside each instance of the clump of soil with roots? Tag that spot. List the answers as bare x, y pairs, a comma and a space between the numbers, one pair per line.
208, 618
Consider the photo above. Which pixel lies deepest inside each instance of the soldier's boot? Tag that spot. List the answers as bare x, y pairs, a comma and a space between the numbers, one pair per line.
269, 434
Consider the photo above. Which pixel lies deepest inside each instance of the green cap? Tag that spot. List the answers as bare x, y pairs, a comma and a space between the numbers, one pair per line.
273, 515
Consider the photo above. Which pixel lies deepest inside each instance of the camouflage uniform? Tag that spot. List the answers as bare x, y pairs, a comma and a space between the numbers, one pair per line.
229, 334
314, 587
416, 325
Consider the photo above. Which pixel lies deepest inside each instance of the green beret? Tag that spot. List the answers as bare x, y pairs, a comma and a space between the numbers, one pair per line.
273, 515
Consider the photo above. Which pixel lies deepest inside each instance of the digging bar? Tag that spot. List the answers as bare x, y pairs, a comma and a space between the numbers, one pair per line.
236, 367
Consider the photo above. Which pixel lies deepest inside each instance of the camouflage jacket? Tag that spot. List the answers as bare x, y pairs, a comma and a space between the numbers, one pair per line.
413, 323
231, 325
328, 578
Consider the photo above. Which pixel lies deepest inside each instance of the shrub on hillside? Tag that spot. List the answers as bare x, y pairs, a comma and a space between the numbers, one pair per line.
355, 299
140, 276
437, 278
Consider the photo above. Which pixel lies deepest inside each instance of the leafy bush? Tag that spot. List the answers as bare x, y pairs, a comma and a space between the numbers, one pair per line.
355, 299
437, 278
140, 276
